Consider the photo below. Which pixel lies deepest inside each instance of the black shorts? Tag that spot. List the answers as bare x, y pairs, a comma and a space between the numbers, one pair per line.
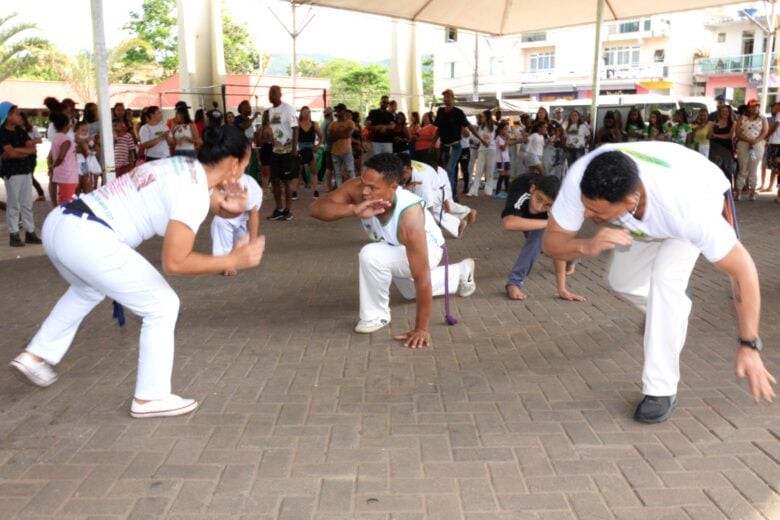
285, 167
266, 151
306, 155
772, 156
503, 166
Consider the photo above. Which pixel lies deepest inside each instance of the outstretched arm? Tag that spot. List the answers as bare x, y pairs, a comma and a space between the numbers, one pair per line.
747, 300
561, 244
346, 201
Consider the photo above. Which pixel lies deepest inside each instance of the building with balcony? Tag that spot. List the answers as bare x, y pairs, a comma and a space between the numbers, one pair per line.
648, 55
734, 61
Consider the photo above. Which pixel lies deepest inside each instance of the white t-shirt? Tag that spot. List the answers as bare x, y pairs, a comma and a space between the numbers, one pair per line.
426, 184
577, 137
283, 120
774, 137
444, 180
140, 204
535, 144
684, 197
489, 136
502, 156
149, 132
254, 200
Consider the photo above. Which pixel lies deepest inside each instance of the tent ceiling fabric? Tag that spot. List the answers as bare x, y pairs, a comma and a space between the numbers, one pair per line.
500, 17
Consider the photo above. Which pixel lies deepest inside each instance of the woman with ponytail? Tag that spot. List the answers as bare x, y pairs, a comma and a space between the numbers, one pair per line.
91, 241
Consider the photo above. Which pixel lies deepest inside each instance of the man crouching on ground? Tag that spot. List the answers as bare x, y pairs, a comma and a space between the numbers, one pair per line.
406, 249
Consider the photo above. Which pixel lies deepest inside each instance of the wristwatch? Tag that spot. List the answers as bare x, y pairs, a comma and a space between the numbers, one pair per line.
755, 344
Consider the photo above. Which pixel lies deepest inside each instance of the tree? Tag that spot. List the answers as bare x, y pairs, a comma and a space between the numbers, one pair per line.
355, 84
15, 55
241, 56
156, 25
427, 76
307, 68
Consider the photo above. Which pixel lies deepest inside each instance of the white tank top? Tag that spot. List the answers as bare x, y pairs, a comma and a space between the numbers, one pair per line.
388, 232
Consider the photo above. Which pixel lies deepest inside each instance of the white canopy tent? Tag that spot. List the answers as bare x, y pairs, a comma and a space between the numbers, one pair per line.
503, 17
506, 17
490, 17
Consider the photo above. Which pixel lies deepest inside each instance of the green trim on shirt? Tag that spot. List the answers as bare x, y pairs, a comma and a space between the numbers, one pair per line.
644, 157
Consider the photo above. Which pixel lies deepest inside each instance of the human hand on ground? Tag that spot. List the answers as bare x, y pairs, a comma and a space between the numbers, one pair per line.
415, 339
749, 365
571, 297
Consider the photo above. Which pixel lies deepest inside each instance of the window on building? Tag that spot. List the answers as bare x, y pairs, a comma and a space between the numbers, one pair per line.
626, 56
449, 70
542, 61
450, 34
629, 27
534, 37
721, 37
647, 25
748, 41
659, 55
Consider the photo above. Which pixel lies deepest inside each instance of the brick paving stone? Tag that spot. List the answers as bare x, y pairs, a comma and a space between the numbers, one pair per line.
521, 411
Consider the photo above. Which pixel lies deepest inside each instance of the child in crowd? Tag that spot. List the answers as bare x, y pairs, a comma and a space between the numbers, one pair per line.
227, 232
503, 164
86, 158
63, 159
535, 147
124, 148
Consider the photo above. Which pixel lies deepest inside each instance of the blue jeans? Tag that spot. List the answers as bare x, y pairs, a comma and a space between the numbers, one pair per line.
450, 157
530, 251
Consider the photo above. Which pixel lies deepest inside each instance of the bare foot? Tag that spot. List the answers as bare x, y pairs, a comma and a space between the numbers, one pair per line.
472, 216
515, 293
230, 272
570, 268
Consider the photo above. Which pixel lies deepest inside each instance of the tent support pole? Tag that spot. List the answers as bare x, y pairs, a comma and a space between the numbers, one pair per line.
596, 65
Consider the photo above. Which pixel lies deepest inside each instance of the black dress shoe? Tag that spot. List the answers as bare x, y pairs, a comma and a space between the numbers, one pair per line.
655, 409
32, 238
15, 241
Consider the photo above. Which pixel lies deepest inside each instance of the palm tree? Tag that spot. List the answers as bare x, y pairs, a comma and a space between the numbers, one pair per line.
14, 53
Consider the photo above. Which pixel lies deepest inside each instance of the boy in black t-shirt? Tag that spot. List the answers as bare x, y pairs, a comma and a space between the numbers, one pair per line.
530, 198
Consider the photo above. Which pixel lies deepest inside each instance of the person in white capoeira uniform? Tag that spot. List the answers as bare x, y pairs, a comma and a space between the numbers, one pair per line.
227, 232
406, 248
433, 186
667, 201
91, 241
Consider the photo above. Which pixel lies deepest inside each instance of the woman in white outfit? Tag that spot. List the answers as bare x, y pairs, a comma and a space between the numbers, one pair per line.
486, 160
91, 241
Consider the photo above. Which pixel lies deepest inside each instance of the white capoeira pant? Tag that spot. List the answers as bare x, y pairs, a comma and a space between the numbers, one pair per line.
653, 276
450, 221
381, 264
225, 233
96, 264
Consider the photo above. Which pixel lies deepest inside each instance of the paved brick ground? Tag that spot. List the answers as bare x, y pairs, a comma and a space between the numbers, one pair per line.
520, 411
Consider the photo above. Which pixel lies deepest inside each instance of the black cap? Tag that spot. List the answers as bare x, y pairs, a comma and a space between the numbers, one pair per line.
182, 104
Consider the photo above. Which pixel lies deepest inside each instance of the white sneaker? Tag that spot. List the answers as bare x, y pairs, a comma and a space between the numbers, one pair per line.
467, 284
37, 372
369, 326
169, 406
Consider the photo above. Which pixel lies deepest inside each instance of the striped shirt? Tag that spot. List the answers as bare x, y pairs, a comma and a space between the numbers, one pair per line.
123, 145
